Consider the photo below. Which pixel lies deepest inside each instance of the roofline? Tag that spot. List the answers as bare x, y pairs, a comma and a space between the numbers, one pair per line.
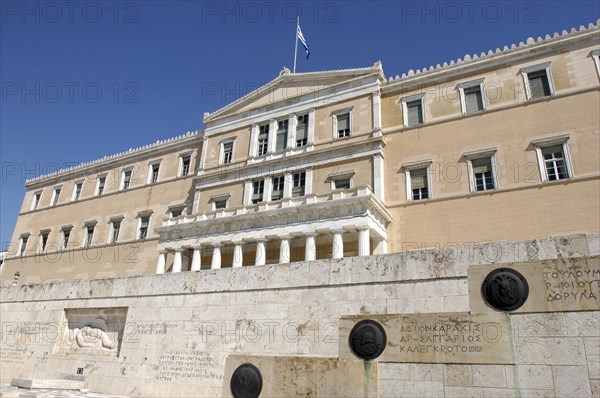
106, 160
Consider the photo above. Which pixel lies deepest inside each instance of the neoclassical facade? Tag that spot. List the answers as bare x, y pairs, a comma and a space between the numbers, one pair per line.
502, 145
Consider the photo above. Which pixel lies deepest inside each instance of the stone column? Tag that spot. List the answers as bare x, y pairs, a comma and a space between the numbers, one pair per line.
260, 252
238, 256
310, 133
363, 241
247, 200
291, 138
284, 250
380, 246
310, 253
288, 183
337, 247
216, 257
378, 177
196, 258
272, 136
377, 113
177, 260
308, 188
162, 259
268, 189
253, 150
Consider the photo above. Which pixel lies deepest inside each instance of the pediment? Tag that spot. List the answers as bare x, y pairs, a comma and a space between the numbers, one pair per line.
288, 87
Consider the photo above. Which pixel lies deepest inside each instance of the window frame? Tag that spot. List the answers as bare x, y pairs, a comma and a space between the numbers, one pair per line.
335, 115
463, 100
477, 155
537, 68
56, 191
43, 241
88, 239
295, 187
266, 126
222, 153
261, 193
173, 209
281, 181
35, 201
23, 240
76, 196
413, 166
181, 168
97, 188
151, 173
124, 172
596, 57
306, 124
140, 217
111, 233
285, 135
64, 243
412, 98
343, 175
541, 144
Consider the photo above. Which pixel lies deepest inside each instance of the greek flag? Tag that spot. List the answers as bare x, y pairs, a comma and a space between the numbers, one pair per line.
303, 41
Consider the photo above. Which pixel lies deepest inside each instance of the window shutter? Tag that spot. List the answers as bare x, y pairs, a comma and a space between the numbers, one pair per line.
481, 166
415, 112
343, 122
538, 84
418, 178
473, 100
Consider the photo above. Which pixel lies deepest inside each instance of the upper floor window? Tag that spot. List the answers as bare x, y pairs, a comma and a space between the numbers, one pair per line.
126, 178
66, 235
263, 140
220, 202
89, 234
596, 56
77, 187
471, 96
418, 182
100, 184
342, 124
115, 229
302, 131
36, 200
55, 196
184, 165
553, 158
227, 151
340, 180
299, 180
258, 189
153, 171
176, 211
143, 226
282, 135
44, 240
278, 184
481, 166
413, 109
538, 81
23, 244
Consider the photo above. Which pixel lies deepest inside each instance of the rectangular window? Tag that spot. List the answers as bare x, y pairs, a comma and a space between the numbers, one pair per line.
414, 111
154, 169
483, 175
343, 125
263, 140
278, 182
55, 195
258, 188
554, 162
299, 184
282, 133
220, 204
227, 152
77, 191
126, 179
44, 240
66, 235
342, 183
144, 225
89, 235
100, 185
115, 229
539, 85
473, 99
36, 200
419, 184
185, 165
302, 131
176, 211
23, 245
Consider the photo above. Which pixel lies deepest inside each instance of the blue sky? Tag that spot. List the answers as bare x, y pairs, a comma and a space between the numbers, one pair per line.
85, 79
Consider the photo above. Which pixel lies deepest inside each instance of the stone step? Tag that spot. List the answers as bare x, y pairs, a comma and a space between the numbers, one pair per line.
50, 384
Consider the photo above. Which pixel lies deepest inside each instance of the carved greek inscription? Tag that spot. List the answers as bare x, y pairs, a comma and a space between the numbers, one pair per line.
573, 284
12, 355
187, 364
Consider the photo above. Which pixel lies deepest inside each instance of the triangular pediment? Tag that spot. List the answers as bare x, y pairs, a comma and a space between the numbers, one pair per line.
288, 87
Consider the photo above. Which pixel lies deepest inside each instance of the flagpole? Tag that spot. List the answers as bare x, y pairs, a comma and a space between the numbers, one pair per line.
296, 41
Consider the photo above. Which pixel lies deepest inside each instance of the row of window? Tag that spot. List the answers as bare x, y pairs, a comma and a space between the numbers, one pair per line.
89, 230
553, 158
537, 81
280, 135
101, 181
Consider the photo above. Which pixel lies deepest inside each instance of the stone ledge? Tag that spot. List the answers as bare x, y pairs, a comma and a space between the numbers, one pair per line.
51, 384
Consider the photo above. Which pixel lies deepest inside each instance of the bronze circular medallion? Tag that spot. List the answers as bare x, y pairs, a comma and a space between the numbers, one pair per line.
505, 289
367, 339
246, 382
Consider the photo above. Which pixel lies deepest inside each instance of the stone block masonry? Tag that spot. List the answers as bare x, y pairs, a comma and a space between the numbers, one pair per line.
183, 334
